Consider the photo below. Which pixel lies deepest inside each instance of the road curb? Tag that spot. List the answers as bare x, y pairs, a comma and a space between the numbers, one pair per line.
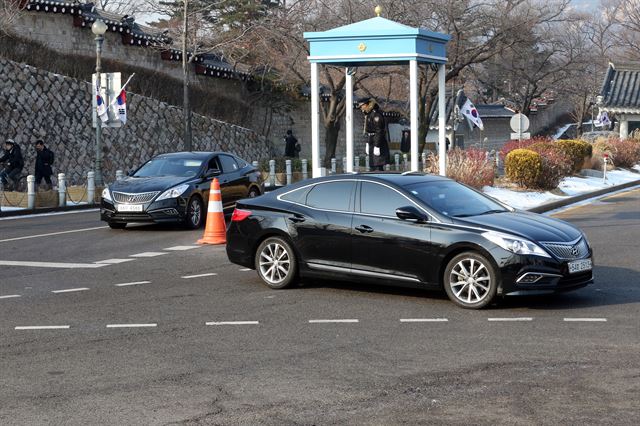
27, 212
576, 199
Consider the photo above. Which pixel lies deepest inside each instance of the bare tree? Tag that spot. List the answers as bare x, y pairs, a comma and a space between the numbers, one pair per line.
9, 12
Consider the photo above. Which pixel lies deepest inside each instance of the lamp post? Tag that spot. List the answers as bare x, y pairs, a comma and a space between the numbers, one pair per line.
98, 28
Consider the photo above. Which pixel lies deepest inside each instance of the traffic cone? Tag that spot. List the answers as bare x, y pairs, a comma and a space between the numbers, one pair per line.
215, 230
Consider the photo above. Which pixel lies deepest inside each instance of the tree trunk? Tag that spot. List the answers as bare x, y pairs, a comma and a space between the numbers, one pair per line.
332, 130
186, 105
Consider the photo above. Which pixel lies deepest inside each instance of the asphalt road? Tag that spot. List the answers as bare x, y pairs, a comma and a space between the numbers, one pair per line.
170, 346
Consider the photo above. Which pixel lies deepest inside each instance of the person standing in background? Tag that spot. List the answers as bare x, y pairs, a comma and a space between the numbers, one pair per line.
44, 161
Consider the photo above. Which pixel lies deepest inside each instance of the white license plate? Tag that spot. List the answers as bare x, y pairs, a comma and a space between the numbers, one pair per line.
129, 207
580, 265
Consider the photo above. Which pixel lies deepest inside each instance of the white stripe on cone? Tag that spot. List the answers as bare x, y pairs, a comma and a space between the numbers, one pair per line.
215, 207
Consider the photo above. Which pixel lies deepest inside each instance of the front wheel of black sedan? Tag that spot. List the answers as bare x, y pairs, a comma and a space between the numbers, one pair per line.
195, 213
276, 263
470, 280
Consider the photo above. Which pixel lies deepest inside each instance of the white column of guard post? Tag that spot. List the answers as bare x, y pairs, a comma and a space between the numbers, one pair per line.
254, 164
396, 161
424, 161
289, 174
305, 172
405, 163
272, 172
31, 192
315, 122
413, 77
345, 164
119, 175
442, 121
91, 186
367, 166
333, 166
349, 118
356, 163
62, 190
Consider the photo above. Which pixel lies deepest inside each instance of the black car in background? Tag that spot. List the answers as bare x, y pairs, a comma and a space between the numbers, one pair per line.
410, 229
175, 188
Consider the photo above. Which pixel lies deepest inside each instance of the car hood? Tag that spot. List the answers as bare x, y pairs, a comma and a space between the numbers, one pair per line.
134, 185
528, 225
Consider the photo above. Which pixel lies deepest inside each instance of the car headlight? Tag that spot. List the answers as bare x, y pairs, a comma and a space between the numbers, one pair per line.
174, 192
515, 244
106, 194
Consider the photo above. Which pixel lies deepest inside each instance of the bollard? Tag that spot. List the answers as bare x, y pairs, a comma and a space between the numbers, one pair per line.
333, 166
62, 190
367, 167
254, 164
387, 167
305, 172
604, 169
288, 170
272, 172
91, 186
424, 161
31, 192
405, 160
356, 163
396, 159
119, 174
344, 165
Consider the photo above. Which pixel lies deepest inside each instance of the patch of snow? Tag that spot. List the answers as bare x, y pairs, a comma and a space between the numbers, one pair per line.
570, 185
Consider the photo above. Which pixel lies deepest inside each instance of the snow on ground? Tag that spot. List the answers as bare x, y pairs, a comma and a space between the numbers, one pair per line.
571, 186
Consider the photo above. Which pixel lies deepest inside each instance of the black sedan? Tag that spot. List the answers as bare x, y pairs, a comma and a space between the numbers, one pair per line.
410, 229
175, 188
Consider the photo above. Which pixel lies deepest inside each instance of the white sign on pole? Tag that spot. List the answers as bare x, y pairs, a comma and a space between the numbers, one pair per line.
519, 124
110, 84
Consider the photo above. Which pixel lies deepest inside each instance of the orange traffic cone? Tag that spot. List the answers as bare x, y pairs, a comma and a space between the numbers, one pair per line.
215, 230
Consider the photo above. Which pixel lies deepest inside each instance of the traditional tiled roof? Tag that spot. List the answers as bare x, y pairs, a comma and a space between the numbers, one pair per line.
621, 88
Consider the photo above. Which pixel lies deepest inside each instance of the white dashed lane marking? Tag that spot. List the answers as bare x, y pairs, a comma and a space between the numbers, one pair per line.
69, 290
51, 264
245, 269
133, 283
131, 325
113, 261
181, 248
329, 321
507, 319
232, 323
149, 254
42, 327
423, 320
10, 296
585, 320
210, 274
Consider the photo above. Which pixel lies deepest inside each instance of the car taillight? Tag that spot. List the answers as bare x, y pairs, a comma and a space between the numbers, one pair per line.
239, 215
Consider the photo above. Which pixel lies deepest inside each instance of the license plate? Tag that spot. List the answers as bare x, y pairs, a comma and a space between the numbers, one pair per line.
129, 207
580, 265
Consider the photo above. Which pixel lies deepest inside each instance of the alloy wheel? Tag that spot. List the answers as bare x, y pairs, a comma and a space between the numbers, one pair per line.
470, 280
196, 213
274, 263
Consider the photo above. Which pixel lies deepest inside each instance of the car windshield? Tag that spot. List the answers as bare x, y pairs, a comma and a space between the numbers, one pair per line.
453, 199
169, 166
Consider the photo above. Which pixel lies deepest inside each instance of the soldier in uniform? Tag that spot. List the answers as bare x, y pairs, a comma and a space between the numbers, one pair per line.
375, 128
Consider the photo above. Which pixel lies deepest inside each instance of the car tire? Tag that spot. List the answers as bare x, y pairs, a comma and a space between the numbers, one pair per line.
117, 225
275, 252
470, 280
194, 213
254, 192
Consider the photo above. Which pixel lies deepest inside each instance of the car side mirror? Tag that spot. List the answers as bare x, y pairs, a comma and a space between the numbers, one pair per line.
212, 173
411, 213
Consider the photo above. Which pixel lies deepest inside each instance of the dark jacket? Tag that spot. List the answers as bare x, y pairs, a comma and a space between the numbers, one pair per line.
290, 146
44, 160
376, 127
13, 159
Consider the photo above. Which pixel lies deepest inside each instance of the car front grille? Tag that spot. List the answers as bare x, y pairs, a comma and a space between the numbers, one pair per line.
141, 198
567, 251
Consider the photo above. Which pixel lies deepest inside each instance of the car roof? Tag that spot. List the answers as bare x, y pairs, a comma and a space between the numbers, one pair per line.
200, 155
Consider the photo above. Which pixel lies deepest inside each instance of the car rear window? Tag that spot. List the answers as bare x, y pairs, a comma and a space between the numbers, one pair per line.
298, 196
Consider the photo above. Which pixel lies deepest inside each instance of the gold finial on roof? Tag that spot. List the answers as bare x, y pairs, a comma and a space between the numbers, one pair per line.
378, 10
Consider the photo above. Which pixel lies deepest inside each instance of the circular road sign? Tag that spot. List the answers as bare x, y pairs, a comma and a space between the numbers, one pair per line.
519, 123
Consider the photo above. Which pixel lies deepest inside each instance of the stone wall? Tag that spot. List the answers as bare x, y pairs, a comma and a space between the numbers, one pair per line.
37, 104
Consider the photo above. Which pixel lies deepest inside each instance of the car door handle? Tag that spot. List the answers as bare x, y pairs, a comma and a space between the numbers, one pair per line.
297, 218
364, 229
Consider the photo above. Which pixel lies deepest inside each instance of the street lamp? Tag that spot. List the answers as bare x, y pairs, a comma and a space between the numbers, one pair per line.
98, 28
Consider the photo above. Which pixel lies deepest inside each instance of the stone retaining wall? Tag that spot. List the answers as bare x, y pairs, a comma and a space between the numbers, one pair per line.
37, 104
